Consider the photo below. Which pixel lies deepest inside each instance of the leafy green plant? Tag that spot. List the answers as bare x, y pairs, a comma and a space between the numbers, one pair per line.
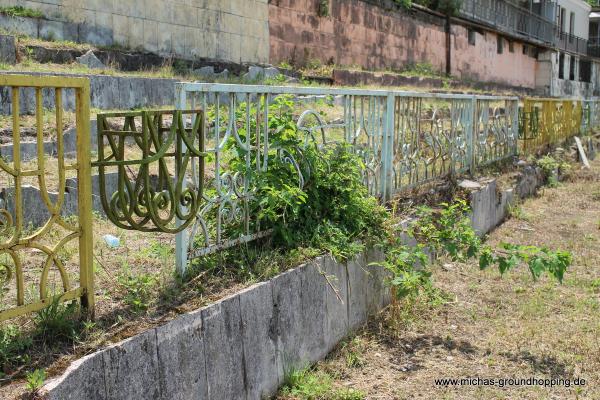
139, 289
308, 384
447, 230
310, 195
538, 260
323, 8
13, 346
35, 380
551, 167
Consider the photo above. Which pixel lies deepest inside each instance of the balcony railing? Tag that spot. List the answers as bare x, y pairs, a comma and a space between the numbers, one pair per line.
510, 18
593, 46
572, 43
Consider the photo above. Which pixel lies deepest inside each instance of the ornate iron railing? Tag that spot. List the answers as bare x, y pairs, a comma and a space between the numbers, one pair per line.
591, 115
404, 138
29, 257
151, 152
556, 120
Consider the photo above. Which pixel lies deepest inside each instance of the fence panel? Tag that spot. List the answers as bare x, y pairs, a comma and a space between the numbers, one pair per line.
33, 262
405, 139
591, 115
547, 121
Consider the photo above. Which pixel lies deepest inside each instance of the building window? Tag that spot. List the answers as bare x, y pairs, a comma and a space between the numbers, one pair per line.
499, 44
561, 66
471, 33
572, 61
525, 49
585, 71
572, 23
511, 46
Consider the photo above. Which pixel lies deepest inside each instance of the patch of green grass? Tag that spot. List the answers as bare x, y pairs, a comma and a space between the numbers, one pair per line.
20, 11
308, 384
13, 346
59, 322
139, 288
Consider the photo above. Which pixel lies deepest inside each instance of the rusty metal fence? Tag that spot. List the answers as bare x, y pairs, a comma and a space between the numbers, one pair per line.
28, 256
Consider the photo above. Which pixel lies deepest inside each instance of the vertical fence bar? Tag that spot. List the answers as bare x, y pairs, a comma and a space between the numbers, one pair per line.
84, 187
387, 150
181, 238
472, 134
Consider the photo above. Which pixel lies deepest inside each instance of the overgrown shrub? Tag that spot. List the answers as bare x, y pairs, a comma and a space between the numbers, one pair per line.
310, 195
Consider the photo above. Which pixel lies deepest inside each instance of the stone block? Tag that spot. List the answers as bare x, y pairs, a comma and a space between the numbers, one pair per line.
51, 30
21, 25
378, 293
314, 315
84, 379
223, 346
90, 60
100, 33
483, 208
164, 38
136, 33
262, 366
8, 49
182, 366
337, 301
287, 289
151, 35
357, 291
137, 360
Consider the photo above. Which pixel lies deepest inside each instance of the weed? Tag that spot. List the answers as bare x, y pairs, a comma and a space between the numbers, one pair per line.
13, 346
308, 384
59, 322
552, 168
35, 380
20, 11
139, 289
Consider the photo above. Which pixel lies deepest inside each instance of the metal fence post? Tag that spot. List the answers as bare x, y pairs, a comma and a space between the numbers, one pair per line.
515, 126
472, 135
181, 238
84, 199
387, 151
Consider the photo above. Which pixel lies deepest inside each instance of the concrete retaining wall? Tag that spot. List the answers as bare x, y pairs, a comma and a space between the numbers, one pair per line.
242, 346
239, 347
106, 93
234, 30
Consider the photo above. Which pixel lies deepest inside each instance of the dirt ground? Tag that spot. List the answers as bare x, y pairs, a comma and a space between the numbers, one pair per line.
492, 327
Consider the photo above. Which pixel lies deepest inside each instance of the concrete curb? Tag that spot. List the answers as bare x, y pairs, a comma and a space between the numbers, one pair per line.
242, 346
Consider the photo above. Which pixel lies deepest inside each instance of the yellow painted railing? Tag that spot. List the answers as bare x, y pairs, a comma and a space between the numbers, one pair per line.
28, 256
547, 121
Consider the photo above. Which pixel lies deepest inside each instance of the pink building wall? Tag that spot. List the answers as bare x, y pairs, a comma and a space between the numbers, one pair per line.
357, 33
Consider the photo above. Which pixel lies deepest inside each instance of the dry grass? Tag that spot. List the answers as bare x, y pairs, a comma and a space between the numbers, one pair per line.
494, 327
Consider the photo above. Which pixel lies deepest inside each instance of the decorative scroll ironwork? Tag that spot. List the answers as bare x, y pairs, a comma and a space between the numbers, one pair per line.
404, 139
590, 115
27, 254
151, 152
558, 119
496, 130
430, 139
